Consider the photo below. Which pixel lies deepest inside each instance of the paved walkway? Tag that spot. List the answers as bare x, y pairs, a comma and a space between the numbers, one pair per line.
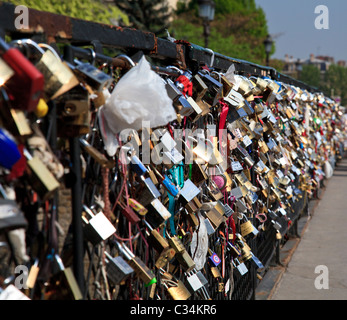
324, 243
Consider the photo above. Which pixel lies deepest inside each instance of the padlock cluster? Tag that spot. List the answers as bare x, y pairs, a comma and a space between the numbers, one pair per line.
177, 198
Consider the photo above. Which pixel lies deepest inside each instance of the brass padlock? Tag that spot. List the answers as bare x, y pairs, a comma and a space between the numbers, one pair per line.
199, 88
179, 291
58, 77
13, 120
97, 155
73, 113
41, 179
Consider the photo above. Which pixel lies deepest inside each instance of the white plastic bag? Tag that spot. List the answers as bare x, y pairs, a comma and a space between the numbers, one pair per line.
199, 244
140, 95
328, 170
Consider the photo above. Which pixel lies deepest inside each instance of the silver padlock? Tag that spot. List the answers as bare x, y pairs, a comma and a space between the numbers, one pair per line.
97, 228
240, 267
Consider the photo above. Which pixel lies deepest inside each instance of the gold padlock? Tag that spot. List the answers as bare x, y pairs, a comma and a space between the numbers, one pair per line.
41, 179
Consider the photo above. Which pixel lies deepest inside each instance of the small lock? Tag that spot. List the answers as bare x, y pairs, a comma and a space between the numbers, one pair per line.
58, 77
167, 183
215, 272
97, 228
186, 261
179, 291
157, 213
148, 193
199, 88
258, 264
97, 155
215, 88
165, 257
91, 75
188, 192
141, 270
117, 269
214, 192
233, 113
64, 279
221, 286
26, 85
233, 250
176, 244
137, 166
193, 282
214, 215
240, 267
228, 211
155, 239
209, 227
73, 112
41, 179
214, 260
247, 227
14, 120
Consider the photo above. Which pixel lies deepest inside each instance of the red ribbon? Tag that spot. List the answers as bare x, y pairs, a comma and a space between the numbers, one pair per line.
222, 117
188, 86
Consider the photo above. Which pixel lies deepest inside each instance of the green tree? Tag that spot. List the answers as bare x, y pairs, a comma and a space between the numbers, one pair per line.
238, 30
92, 10
147, 15
335, 82
310, 74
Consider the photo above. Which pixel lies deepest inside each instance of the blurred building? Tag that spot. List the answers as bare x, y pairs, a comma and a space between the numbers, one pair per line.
292, 66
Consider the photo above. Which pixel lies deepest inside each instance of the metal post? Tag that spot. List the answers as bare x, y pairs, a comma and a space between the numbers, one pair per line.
77, 230
76, 199
206, 31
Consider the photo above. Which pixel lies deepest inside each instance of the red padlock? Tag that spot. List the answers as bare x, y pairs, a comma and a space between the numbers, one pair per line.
24, 88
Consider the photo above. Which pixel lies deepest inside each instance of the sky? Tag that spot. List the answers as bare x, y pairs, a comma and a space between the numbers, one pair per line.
292, 23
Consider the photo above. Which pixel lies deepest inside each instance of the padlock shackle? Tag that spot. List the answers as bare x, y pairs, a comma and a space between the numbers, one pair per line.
28, 42
89, 211
131, 62
108, 256
4, 45
148, 225
44, 45
60, 262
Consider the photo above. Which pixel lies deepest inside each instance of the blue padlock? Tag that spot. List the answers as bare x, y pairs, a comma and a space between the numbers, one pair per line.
9, 153
214, 259
170, 186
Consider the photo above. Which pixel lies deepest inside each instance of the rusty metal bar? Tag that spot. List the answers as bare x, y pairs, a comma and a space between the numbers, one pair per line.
59, 28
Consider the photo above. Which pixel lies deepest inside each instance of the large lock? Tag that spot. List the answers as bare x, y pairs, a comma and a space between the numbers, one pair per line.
97, 155
97, 227
14, 120
240, 267
215, 89
73, 112
117, 269
181, 104
8, 150
41, 179
247, 227
141, 270
157, 213
199, 88
179, 291
95, 78
58, 77
214, 211
26, 85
